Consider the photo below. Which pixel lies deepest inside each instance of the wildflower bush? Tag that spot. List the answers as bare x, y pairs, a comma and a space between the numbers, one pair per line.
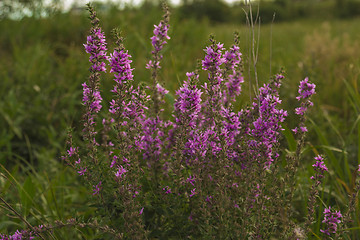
208, 171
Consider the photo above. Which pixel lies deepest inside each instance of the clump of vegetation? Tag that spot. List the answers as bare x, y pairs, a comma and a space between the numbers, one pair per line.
207, 171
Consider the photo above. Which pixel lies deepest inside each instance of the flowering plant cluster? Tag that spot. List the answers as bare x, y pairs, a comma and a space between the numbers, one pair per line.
331, 219
16, 236
209, 171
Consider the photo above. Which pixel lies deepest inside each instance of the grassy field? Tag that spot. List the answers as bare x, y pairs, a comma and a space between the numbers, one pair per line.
43, 64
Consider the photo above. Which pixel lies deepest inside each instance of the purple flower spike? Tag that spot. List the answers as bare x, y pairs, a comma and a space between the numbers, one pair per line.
213, 57
120, 65
160, 35
96, 47
212, 63
158, 41
235, 78
120, 61
92, 98
188, 105
306, 89
319, 168
331, 220
267, 126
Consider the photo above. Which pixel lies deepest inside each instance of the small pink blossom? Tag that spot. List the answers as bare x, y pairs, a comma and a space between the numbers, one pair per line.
97, 188
120, 172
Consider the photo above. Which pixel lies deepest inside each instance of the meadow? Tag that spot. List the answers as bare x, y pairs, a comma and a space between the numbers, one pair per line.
43, 64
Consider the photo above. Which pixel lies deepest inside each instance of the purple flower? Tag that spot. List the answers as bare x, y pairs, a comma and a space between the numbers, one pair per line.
167, 190
82, 171
202, 143
126, 161
96, 103
18, 235
3, 237
295, 130
96, 47
113, 162
120, 65
141, 211
120, 172
235, 78
234, 85
160, 36
233, 57
300, 110
135, 193
306, 89
158, 41
319, 165
188, 104
303, 129
191, 180
78, 161
193, 192
213, 57
331, 220
319, 168
97, 188
208, 199
72, 151
92, 98
129, 101
161, 91
266, 128
151, 140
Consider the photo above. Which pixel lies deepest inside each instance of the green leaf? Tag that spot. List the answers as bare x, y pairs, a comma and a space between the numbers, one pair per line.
354, 96
27, 194
290, 139
170, 98
328, 150
6, 224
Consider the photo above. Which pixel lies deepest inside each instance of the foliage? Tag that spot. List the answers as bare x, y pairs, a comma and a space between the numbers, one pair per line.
331, 135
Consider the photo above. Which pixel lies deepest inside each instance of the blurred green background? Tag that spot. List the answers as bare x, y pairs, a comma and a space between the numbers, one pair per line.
43, 64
